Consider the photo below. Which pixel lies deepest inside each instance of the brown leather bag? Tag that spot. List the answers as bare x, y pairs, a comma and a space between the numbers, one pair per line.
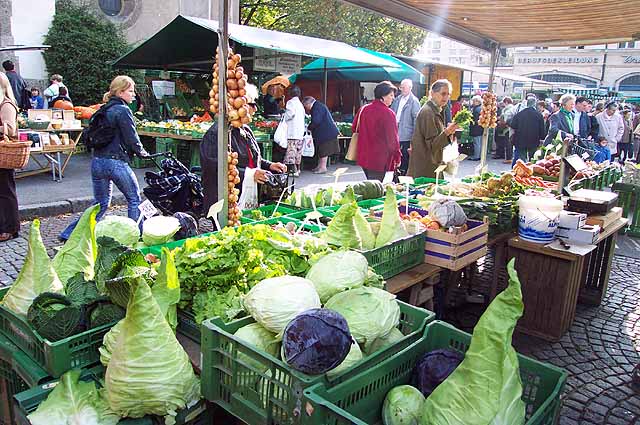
352, 152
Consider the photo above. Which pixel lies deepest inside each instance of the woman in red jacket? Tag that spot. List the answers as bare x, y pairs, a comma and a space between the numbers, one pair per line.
378, 144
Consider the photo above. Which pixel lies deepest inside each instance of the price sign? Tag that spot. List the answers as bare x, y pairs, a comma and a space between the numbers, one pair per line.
441, 168
313, 215
214, 210
286, 190
406, 181
461, 157
337, 174
147, 210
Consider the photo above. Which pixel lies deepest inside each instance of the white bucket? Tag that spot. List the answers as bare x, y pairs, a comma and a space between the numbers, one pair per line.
539, 218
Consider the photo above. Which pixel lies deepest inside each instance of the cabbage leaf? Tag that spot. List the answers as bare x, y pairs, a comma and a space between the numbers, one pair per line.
487, 382
391, 228
122, 229
364, 231
149, 371
166, 289
342, 231
108, 250
74, 402
79, 253
36, 276
338, 271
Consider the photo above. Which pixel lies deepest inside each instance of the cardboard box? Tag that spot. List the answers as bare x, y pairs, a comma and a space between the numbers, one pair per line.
587, 235
572, 220
604, 220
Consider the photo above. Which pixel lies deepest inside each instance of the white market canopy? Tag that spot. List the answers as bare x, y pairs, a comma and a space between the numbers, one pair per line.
189, 44
513, 23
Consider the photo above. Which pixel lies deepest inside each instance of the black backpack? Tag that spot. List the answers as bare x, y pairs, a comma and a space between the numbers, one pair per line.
100, 133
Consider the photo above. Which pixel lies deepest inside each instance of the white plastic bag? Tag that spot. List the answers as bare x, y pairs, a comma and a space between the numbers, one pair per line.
308, 149
280, 136
249, 194
450, 157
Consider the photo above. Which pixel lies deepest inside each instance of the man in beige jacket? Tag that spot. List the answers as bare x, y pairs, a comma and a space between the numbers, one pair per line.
431, 136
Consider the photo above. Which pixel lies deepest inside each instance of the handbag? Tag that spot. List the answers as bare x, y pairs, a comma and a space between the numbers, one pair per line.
308, 148
352, 152
14, 154
272, 189
280, 136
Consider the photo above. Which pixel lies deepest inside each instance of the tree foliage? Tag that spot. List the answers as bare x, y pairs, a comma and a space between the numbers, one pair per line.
333, 20
83, 47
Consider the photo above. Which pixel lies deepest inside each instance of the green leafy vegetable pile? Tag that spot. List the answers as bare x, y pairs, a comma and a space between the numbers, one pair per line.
215, 271
463, 118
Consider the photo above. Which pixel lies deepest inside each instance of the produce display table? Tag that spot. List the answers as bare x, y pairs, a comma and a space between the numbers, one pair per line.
420, 280
553, 281
53, 154
168, 135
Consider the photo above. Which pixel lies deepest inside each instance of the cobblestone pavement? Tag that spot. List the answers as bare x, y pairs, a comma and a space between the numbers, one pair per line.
599, 351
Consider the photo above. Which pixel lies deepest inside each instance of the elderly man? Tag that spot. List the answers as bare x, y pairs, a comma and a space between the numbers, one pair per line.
529, 128
406, 106
431, 136
611, 126
562, 121
475, 130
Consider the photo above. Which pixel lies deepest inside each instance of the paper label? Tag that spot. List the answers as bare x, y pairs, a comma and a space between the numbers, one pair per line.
441, 168
147, 209
313, 215
215, 209
405, 179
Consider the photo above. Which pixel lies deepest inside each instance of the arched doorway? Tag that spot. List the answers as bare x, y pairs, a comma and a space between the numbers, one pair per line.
629, 83
562, 77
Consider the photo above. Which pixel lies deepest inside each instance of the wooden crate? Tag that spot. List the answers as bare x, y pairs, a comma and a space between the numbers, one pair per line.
455, 251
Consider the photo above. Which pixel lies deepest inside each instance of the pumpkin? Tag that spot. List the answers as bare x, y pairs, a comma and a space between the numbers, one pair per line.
63, 104
84, 112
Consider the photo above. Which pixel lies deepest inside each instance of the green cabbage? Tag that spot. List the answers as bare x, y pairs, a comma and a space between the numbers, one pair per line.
337, 272
402, 406
126, 267
108, 250
391, 228
370, 312
159, 230
260, 338
166, 289
149, 371
122, 229
342, 229
384, 341
354, 356
54, 316
79, 253
364, 231
36, 276
81, 292
274, 302
487, 382
74, 402
103, 313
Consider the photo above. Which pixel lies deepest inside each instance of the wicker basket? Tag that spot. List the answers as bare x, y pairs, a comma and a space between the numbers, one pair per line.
14, 155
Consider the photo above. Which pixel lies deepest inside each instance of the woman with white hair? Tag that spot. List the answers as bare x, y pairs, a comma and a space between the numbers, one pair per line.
9, 217
242, 141
475, 130
562, 121
611, 126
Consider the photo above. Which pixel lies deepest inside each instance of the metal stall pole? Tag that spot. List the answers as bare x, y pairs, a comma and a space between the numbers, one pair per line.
223, 131
325, 82
485, 133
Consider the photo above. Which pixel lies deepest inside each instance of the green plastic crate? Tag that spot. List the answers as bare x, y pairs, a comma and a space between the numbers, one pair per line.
28, 401
137, 162
629, 200
76, 351
359, 400
421, 181
267, 211
371, 203
271, 393
398, 256
165, 144
157, 249
188, 327
17, 373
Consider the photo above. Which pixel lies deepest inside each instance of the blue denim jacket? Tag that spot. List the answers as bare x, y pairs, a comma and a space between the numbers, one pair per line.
126, 141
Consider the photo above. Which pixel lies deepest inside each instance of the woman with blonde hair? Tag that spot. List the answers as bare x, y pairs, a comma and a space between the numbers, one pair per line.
9, 218
110, 163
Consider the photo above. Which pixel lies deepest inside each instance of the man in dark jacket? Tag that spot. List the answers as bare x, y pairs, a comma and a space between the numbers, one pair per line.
475, 130
529, 131
582, 125
595, 127
17, 84
324, 132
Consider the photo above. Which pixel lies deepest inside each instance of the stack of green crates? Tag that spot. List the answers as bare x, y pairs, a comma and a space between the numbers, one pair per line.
260, 389
359, 399
629, 201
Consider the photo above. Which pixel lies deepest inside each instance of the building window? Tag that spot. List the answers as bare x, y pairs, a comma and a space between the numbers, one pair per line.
630, 83
110, 7
565, 78
627, 45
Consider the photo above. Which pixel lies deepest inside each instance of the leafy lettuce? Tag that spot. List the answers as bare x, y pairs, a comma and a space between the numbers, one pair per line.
149, 371
36, 276
79, 253
74, 402
487, 382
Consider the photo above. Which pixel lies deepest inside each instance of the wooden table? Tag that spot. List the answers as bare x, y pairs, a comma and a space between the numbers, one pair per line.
420, 280
553, 280
53, 156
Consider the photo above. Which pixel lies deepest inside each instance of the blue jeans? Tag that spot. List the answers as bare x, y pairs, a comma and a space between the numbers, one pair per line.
477, 147
105, 172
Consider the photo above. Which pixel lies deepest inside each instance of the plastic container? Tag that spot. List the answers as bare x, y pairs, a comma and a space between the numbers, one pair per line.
539, 218
267, 211
398, 256
76, 351
17, 373
265, 390
188, 327
157, 249
359, 399
28, 401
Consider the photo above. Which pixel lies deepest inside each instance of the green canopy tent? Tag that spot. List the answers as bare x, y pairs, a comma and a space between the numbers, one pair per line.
338, 69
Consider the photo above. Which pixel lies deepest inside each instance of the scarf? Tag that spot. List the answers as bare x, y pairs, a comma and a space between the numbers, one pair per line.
569, 117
